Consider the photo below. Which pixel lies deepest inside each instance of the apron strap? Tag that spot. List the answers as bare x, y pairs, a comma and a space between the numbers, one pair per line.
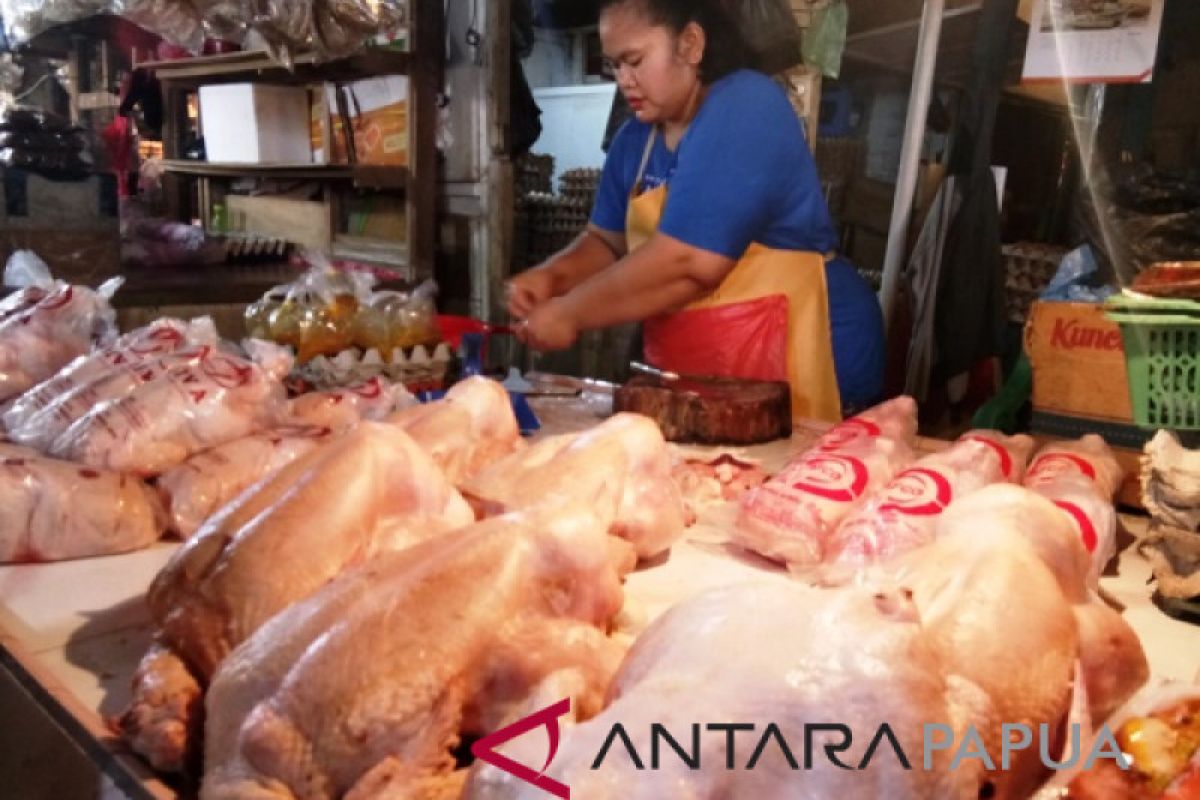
650, 140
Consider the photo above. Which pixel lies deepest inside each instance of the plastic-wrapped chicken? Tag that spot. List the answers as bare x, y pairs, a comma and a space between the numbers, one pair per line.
1081, 477
790, 517
159, 338
206, 482
903, 514
41, 429
41, 339
52, 510
373, 399
190, 408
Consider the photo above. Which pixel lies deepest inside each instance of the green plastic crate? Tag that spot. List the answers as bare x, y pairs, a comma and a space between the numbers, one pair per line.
1162, 357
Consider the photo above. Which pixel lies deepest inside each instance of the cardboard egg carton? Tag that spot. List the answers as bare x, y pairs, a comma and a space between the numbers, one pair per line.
419, 368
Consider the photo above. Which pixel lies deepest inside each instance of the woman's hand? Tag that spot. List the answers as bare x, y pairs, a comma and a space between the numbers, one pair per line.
551, 326
529, 290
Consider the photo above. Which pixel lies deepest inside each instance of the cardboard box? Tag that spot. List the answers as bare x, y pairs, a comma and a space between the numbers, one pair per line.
378, 110
1078, 361
302, 222
254, 123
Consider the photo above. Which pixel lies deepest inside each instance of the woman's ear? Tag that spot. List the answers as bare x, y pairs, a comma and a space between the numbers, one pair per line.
692, 42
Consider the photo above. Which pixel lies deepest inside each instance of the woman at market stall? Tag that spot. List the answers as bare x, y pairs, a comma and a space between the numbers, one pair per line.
709, 225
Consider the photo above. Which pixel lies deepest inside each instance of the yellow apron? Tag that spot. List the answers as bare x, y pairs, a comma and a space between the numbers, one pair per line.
761, 272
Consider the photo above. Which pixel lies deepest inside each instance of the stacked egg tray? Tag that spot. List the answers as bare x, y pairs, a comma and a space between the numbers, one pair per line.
1028, 267
421, 368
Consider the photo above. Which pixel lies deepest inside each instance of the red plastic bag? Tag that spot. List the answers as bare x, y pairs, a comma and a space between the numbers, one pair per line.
736, 340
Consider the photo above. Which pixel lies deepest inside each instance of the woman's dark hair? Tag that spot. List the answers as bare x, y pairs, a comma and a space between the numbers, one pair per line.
724, 51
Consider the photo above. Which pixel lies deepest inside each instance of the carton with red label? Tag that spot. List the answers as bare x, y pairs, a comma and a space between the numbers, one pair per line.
790, 516
1078, 361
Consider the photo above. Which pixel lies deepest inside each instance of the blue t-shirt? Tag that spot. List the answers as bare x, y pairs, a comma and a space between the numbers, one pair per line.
743, 173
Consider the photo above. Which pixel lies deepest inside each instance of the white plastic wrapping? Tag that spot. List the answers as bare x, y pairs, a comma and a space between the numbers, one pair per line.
39, 339
1081, 477
43, 427
159, 338
373, 399
790, 517
190, 408
903, 514
206, 482
52, 510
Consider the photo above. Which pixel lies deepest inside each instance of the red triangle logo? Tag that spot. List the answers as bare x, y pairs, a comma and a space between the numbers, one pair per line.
485, 748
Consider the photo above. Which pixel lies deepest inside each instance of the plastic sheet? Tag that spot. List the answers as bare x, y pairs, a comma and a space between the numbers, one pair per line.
190, 408
792, 515
52, 510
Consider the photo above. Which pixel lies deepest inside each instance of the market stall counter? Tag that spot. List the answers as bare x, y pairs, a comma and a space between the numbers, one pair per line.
72, 632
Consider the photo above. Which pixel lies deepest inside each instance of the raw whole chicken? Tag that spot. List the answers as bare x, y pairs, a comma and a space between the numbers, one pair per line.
340, 408
472, 426
43, 427
190, 408
365, 688
903, 514
790, 517
623, 464
757, 654
52, 510
368, 492
206, 482
1004, 593
1081, 477
156, 339
984, 626
41, 339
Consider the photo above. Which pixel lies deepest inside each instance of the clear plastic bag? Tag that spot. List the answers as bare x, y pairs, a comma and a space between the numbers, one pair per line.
791, 516
139, 346
190, 408
44, 336
373, 399
904, 514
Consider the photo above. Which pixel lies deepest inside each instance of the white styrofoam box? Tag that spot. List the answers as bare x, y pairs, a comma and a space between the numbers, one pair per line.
254, 123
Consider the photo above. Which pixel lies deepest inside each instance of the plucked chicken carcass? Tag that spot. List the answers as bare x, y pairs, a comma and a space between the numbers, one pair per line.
368, 492
983, 627
190, 408
622, 464
373, 399
52, 510
39, 340
365, 688
472, 426
143, 344
790, 517
758, 654
1004, 591
903, 514
205, 483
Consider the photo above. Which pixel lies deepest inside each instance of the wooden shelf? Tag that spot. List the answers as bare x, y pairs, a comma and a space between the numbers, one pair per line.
364, 176
259, 65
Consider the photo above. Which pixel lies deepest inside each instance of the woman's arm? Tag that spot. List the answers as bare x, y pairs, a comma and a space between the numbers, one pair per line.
663, 275
588, 254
